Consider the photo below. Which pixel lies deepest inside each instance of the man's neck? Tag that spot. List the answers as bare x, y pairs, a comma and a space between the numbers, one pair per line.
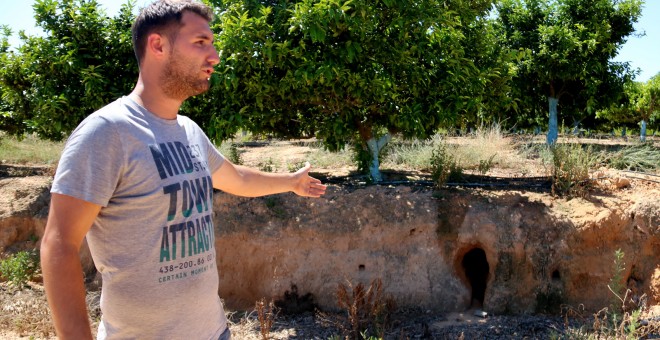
153, 99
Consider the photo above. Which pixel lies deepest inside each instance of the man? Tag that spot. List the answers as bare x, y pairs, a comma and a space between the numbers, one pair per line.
136, 179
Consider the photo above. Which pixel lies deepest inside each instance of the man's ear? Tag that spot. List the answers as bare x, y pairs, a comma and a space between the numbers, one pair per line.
156, 45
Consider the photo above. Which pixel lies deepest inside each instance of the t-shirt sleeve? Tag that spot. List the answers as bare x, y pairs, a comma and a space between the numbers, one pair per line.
215, 158
91, 163
213, 155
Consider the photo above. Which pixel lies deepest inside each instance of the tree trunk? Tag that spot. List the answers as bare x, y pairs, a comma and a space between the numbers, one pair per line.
375, 146
642, 133
576, 127
552, 123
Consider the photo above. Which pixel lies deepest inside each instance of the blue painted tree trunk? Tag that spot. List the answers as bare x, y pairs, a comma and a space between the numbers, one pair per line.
642, 133
576, 128
553, 128
375, 147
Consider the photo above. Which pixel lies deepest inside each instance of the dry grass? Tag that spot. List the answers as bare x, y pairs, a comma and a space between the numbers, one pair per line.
623, 319
486, 151
571, 166
30, 150
247, 326
321, 158
412, 155
25, 311
606, 325
487, 143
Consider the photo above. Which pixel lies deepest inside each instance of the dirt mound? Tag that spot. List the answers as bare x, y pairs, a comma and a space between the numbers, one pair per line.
24, 205
504, 251
510, 251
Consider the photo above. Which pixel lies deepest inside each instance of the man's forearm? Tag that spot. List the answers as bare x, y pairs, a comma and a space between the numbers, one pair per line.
258, 183
65, 289
243, 181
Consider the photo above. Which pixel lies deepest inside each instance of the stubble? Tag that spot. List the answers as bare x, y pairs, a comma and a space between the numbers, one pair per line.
181, 78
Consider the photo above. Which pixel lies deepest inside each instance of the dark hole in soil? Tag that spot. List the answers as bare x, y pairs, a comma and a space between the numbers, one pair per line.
556, 275
476, 269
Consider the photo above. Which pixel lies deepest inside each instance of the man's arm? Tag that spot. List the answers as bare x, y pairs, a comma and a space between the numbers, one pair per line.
69, 219
243, 181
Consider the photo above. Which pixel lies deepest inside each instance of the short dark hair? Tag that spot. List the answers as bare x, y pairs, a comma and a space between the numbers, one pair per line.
163, 17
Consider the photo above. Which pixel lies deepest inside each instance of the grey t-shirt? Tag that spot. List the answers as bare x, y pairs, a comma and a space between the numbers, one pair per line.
153, 240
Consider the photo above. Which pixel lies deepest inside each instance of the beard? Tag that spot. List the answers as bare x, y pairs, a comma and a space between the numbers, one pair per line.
181, 78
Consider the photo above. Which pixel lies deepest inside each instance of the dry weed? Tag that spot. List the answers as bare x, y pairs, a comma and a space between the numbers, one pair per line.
25, 311
266, 313
631, 323
242, 325
246, 326
367, 310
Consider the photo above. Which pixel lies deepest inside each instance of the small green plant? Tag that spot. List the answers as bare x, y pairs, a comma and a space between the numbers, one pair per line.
621, 320
268, 166
19, 268
570, 169
362, 158
235, 154
274, 204
486, 164
616, 281
443, 165
293, 167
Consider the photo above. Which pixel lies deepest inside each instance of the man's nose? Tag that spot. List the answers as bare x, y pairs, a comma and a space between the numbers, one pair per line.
214, 58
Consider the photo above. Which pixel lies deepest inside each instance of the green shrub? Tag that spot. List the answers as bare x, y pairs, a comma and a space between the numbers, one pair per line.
616, 284
235, 154
570, 171
268, 166
295, 166
19, 268
486, 164
443, 165
362, 158
622, 320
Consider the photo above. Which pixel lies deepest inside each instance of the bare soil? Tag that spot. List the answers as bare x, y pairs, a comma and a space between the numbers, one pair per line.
24, 313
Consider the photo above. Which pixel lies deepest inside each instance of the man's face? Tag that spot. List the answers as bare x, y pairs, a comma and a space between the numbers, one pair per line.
191, 59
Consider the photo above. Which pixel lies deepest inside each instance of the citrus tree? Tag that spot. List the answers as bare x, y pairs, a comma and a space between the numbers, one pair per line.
52, 81
641, 104
568, 48
346, 71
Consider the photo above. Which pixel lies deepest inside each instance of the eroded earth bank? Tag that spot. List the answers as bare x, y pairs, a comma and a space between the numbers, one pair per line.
447, 250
